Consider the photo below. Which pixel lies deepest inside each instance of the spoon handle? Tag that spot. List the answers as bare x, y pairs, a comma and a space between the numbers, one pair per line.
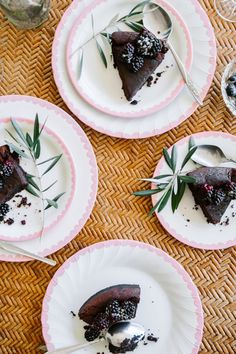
73, 348
189, 82
20, 251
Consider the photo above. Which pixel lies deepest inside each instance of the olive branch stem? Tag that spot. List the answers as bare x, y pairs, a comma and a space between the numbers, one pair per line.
172, 185
32, 151
134, 20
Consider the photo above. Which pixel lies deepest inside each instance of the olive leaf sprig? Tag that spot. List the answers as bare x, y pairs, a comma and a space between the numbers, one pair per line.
172, 185
29, 147
134, 20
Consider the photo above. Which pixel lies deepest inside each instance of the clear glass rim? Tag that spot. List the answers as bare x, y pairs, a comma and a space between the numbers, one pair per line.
218, 12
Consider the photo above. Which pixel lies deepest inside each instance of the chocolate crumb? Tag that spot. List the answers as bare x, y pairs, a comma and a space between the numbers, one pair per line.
9, 221
149, 81
160, 74
73, 314
134, 102
23, 202
151, 338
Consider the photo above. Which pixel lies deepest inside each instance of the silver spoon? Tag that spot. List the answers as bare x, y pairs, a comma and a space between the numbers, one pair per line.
6, 246
116, 335
165, 27
210, 156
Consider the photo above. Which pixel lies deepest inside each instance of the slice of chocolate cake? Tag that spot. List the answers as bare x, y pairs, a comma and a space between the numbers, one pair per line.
136, 56
12, 176
107, 307
213, 190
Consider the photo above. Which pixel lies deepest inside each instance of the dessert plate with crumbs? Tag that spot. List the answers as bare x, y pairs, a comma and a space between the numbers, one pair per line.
48, 176
202, 72
206, 215
123, 280
157, 83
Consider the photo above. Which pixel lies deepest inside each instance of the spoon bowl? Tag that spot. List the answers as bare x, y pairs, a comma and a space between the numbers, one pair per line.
210, 156
122, 334
125, 332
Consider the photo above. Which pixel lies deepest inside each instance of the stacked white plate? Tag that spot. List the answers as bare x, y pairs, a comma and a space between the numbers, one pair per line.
97, 99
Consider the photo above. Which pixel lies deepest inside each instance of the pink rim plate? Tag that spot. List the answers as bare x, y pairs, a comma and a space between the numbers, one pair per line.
146, 133
72, 171
170, 228
142, 112
92, 160
177, 266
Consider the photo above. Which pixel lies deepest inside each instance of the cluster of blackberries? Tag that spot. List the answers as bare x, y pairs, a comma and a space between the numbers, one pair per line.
216, 196
148, 45
129, 56
114, 312
4, 209
231, 87
6, 169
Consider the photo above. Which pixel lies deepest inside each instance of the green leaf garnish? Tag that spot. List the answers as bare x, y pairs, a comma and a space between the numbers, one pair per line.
174, 158
173, 185
18, 130
168, 158
55, 161
17, 150
147, 192
54, 200
29, 140
81, 61
188, 156
31, 190
101, 53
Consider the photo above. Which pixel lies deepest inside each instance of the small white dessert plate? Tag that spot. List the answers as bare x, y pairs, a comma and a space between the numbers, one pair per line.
102, 87
28, 215
76, 173
170, 305
202, 72
188, 224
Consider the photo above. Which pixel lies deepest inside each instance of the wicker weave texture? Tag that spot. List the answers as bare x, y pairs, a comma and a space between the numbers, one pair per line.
25, 68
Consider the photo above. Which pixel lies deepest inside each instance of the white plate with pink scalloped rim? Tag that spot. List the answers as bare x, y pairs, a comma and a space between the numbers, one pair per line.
170, 305
100, 86
76, 175
202, 72
188, 224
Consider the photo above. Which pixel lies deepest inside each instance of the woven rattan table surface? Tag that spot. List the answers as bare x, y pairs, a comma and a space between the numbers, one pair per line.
26, 63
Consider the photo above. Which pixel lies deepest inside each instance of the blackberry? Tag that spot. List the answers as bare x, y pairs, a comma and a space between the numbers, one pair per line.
148, 45
1, 183
128, 53
113, 307
91, 333
218, 196
7, 169
136, 63
207, 192
232, 79
231, 190
129, 309
4, 209
102, 321
231, 90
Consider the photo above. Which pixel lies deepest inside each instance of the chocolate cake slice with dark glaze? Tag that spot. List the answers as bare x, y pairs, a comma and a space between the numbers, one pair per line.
136, 56
107, 307
12, 176
214, 189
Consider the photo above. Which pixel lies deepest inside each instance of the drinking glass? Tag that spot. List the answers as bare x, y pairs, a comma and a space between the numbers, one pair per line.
26, 13
226, 9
